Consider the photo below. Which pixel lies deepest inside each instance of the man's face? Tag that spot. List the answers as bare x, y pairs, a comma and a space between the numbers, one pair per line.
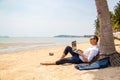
93, 40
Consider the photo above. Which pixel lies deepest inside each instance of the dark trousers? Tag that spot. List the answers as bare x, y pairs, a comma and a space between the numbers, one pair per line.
74, 59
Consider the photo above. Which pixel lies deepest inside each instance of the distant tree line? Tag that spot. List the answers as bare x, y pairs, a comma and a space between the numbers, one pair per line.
115, 20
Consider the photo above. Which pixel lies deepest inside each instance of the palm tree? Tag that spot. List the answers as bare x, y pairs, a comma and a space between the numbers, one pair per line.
107, 47
97, 27
115, 20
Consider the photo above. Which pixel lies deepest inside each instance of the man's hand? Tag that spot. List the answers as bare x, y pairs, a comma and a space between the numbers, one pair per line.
80, 52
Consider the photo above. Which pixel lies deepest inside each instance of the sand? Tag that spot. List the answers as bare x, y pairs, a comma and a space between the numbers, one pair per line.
25, 65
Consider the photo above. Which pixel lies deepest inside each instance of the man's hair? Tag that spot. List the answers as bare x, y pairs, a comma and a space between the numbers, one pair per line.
95, 37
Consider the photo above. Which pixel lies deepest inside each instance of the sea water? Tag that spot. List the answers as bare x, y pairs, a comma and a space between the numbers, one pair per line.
23, 43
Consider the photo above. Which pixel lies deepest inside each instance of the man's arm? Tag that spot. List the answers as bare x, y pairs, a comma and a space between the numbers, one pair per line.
92, 54
83, 56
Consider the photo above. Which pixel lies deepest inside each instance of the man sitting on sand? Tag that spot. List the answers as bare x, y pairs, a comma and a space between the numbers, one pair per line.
79, 56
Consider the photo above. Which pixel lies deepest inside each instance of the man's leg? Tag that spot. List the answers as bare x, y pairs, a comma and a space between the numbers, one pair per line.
64, 60
69, 60
68, 49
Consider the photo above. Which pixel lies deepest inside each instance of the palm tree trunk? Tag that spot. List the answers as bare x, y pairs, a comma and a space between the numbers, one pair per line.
107, 47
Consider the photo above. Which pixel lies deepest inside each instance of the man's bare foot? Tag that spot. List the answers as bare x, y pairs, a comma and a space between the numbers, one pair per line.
48, 63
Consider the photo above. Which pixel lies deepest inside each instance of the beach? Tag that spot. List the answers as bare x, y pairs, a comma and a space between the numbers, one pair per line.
25, 65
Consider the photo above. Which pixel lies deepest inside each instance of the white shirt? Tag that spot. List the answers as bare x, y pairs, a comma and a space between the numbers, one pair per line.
90, 53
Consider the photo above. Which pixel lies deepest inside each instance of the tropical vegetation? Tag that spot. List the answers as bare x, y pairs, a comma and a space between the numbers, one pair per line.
115, 20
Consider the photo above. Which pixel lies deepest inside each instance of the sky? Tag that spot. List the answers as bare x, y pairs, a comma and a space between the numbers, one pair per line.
47, 18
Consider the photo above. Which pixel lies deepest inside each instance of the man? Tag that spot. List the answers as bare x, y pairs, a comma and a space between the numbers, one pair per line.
79, 56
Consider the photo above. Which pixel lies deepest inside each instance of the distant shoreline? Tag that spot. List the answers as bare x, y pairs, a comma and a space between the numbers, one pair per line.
17, 44
71, 36
4, 37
